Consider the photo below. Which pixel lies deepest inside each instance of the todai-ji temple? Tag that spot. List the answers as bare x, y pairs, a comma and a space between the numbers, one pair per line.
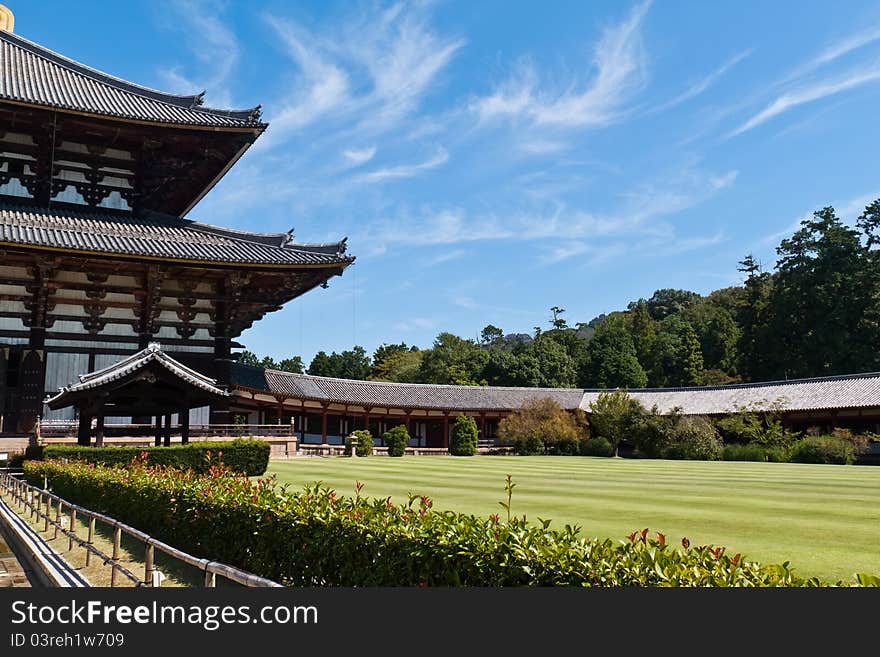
118, 314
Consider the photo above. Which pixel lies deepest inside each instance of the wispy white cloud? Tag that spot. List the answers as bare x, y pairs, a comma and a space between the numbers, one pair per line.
619, 60
444, 257
217, 50
358, 156
702, 85
368, 73
836, 50
809, 93
406, 170
416, 324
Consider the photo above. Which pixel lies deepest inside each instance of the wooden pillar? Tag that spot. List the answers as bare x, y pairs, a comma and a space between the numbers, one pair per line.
323, 424
280, 408
482, 427
157, 433
302, 422
99, 430
84, 432
183, 414
367, 410
446, 429
167, 431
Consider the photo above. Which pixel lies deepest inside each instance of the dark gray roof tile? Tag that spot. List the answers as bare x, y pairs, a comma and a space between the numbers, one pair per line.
154, 235
30, 73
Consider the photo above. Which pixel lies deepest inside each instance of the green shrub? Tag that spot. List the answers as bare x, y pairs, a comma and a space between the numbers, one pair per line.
464, 437
750, 452
396, 440
652, 432
244, 455
760, 424
564, 446
778, 454
694, 438
317, 538
823, 449
597, 446
364, 442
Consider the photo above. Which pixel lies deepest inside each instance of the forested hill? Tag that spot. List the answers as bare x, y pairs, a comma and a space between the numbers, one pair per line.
817, 313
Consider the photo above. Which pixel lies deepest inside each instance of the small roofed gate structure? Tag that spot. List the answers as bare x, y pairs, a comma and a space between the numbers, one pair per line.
149, 383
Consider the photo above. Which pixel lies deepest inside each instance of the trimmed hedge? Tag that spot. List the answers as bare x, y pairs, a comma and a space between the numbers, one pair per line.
396, 439
244, 455
317, 538
464, 437
597, 446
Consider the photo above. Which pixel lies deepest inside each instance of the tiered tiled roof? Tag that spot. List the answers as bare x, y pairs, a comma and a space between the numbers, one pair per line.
35, 75
836, 392
157, 236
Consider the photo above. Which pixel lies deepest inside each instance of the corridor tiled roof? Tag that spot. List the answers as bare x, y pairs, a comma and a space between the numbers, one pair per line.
836, 392
156, 235
32, 74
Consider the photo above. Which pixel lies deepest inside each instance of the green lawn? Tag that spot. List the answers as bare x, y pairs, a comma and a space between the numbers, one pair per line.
824, 519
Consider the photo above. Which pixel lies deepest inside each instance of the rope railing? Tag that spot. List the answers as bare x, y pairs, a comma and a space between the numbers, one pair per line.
40, 504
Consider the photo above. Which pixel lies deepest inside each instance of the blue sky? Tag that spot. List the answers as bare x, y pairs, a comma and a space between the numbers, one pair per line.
490, 159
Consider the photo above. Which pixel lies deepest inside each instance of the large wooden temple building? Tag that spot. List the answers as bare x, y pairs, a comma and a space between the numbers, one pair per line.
98, 261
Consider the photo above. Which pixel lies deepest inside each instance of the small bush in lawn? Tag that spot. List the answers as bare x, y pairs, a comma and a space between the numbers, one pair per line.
464, 437
364, 440
694, 438
823, 449
597, 446
396, 439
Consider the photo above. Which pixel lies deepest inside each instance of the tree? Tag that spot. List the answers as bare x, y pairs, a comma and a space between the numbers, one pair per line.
540, 424
677, 355
666, 302
293, 364
644, 335
324, 365
453, 359
611, 358
464, 437
354, 364
819, 299
386, 350
753, 313
400, 367
248, 358
268, 363
491, 335
558, 322
614, 415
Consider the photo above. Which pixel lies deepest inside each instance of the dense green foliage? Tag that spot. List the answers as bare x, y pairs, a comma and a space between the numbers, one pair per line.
243, 455
396, 440
463, 441
317, 538
816, 313
823, 449
364, 443
293, 364
540, 426
597, 446
614, 416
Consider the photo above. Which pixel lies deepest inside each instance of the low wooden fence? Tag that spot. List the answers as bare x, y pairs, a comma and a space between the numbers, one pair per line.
42, 505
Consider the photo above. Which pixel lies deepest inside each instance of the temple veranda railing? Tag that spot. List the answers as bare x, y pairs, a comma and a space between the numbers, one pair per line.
45, 507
